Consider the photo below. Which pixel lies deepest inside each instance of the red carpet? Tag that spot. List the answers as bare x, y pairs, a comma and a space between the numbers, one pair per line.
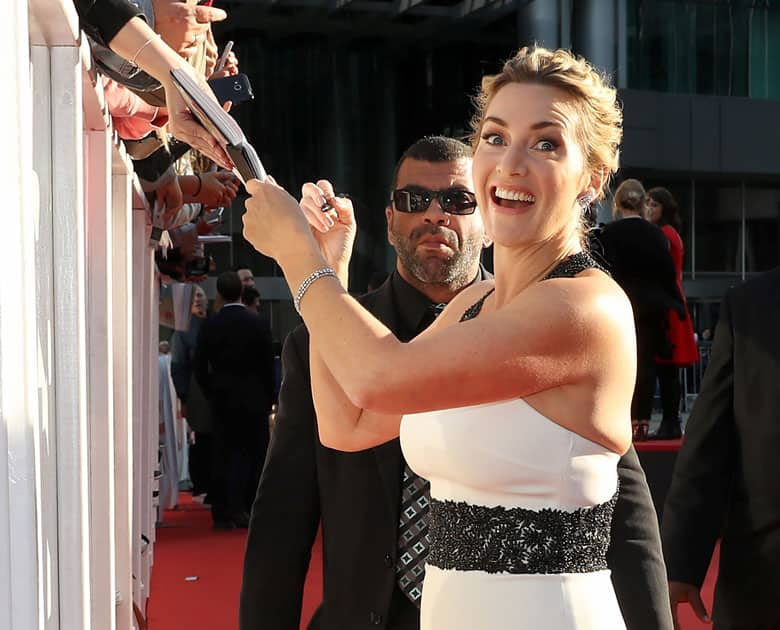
659, 445
187, 547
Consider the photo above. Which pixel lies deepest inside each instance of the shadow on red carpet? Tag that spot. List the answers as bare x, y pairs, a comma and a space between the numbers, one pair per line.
188, 547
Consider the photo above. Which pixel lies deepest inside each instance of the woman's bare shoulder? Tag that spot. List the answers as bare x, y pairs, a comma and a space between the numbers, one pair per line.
591, 299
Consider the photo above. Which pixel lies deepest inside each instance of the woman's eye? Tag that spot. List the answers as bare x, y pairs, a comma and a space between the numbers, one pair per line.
545, 145
493, 138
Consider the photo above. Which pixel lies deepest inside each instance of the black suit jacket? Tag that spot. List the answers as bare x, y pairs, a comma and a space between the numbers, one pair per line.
233, 364
727, 477
357, 498
636, 253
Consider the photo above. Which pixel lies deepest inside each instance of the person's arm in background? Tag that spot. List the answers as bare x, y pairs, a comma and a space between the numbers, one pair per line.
694, 511
286, 511
266, 359
117, 23
212, 188
664, 267
181, 366
634, 555
201, 359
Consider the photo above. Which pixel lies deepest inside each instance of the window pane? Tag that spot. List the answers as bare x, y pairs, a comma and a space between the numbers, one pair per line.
762, 228
717, 228
720, 47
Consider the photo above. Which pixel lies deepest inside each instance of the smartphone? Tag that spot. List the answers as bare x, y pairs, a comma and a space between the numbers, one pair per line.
214, 216
223, 57
235, 88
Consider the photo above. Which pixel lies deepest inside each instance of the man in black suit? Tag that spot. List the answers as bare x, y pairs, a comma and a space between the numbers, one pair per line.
726, 481
357, 496
234, 366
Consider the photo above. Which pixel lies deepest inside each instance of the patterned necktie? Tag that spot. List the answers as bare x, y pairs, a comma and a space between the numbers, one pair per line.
414, 541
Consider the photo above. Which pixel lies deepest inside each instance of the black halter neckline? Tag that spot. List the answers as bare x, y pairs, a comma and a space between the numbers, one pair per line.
567, 268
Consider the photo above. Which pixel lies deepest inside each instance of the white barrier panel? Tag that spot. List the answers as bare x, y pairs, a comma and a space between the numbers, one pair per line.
123, 387
19, 415
78, 342
99, 257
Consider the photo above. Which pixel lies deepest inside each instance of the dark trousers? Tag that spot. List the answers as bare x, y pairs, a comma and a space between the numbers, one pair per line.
200, 462
669, 384
647, 343
237, 460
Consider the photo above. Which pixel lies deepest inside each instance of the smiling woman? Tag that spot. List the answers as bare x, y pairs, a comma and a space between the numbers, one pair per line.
515, 402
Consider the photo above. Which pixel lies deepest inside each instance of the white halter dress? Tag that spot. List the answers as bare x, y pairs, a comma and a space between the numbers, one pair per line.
520, 518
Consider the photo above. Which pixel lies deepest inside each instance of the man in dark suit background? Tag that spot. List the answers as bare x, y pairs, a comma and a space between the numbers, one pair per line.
234, 367
357, 496
727, 479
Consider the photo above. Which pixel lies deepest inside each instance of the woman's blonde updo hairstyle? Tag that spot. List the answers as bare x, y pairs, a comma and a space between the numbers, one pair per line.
600, 129
630, 195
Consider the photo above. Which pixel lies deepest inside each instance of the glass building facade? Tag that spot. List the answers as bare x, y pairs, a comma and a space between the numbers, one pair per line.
717, 55
342, 89
704, 47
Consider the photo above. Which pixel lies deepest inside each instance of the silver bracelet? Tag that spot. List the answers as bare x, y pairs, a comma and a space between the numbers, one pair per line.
144, 45
311, 279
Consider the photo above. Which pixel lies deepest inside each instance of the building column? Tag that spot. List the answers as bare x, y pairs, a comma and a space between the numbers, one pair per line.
595, 33
539, 21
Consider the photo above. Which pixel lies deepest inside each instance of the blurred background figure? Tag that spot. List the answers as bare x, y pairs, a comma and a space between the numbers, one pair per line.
662, 210
194, 406
168, 446
250, 297
247, 276
234, 366
636, 253
726, 482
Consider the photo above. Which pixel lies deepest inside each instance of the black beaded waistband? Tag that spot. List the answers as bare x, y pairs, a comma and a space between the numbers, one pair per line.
470, 537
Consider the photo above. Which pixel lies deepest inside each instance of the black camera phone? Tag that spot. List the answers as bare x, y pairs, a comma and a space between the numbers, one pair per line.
235, 88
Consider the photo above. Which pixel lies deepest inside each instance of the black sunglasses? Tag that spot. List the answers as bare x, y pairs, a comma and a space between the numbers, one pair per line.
451, 200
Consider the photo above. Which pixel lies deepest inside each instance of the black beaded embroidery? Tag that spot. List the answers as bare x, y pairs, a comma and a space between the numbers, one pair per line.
572, 265
468, 537
475, 308
567, 268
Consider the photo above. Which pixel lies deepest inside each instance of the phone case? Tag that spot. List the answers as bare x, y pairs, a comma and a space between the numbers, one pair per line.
236, 88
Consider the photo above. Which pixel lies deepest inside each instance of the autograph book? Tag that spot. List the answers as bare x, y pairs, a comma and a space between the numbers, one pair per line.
221, 125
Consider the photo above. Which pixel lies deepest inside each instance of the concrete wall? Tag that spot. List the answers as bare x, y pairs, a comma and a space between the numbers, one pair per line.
700, 134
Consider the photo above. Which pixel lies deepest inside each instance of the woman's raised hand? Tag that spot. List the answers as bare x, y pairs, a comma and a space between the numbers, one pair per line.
274, 222
335, 229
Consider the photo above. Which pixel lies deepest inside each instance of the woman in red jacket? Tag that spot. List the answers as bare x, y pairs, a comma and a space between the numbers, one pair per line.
662, 210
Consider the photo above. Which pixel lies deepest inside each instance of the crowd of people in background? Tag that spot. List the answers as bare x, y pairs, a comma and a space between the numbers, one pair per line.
135, 46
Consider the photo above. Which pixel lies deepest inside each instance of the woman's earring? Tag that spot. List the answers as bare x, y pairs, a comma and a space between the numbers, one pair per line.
585, 199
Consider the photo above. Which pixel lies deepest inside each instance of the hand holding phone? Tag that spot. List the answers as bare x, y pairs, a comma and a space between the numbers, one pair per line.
223, 57
235, 89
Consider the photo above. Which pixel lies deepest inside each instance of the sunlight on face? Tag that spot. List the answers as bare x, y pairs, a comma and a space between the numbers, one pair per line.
529, 168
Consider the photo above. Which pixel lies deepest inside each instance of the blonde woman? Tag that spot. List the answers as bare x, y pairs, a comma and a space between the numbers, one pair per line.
637, 254
515, 403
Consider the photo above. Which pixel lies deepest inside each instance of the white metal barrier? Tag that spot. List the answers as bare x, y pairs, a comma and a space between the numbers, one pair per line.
78, 342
